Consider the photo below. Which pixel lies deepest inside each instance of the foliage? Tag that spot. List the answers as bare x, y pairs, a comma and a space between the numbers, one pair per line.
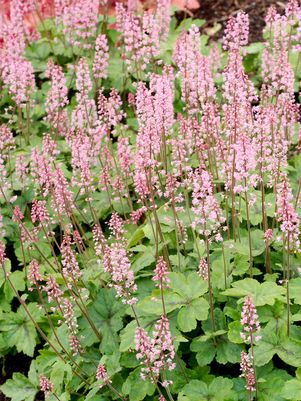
149, 197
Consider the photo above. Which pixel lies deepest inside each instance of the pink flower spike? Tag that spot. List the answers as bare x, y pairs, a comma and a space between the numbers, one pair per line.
101, 58
46, 386
250, 322
237, 32
161, 273
248, 372
203, 269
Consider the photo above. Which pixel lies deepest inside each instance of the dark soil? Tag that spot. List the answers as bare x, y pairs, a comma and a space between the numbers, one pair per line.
218, 11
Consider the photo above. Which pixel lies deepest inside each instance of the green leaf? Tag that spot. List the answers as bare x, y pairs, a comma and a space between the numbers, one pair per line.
266, 348
288, 349
7, 267
255, 212
227, 352
290, 352
292, 390
106, 313
270, 384
206, 351
258, 244
144, 258
256, 47
190, 287
61, 373
136, 388
197, 390
127, 336
194, 391
221, 383
152, 305
189, 314
262, 294
19, 330
235, 329
241, 265
295, 290
18, 282
137, 236
19, 388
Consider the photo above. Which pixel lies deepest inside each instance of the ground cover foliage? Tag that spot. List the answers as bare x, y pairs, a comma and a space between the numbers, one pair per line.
150, 191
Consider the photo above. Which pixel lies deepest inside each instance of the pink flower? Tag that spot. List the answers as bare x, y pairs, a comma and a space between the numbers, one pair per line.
249, 321
136, 215
75, 344
2, 253
71, 322
7, 141
287, 215
237, 32
203, 269
117, 264
83, 79
140, 36
62, 196
41, 171
80, 22
39, 212
57, 97
100, 64
292, 8
161, 274
116, 225
22, 169
194, 69
53, 290
34, 275
110, 111
268, 235
99, 240
248, 371
71, 270
208, 214
157, 353
46, 386
163, 17
125, 155
101, 374
18, 77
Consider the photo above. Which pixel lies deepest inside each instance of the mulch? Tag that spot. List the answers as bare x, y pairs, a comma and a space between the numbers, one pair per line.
218, 12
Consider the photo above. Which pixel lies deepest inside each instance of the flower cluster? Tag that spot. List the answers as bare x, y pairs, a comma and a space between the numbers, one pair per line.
117, 264
287, 215
101, 375
100, 64
203, 269
155, 353
208, 213
161, 274
249, 321
247, 370
46, 386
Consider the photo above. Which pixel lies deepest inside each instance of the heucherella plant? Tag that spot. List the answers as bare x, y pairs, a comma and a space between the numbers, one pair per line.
250, 335
150, 205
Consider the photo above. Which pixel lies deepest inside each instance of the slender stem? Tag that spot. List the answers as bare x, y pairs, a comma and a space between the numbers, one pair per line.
288, 273
249, 234
253, 364
210, 289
